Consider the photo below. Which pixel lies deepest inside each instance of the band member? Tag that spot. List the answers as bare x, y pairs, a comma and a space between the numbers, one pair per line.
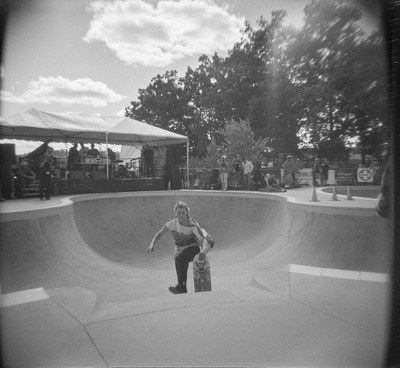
46, 166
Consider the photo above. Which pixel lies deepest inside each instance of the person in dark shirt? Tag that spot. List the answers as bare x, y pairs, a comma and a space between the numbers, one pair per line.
111, 157
324, 172
148, 159
46, 166
111, 154
93, 152
73, 156
316, 173
236, 167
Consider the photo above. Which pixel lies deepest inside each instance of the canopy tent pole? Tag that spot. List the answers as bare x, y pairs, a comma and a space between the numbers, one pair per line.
187, 163
108, 174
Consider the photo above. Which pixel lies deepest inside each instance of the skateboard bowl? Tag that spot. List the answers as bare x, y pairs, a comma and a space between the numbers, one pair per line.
322, 265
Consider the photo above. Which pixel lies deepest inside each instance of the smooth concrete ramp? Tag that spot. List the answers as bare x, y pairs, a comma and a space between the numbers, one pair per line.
295, 283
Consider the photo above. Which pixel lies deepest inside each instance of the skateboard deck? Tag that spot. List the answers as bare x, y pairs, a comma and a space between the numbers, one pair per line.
201, 274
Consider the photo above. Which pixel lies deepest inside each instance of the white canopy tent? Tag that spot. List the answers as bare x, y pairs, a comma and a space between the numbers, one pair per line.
38, 125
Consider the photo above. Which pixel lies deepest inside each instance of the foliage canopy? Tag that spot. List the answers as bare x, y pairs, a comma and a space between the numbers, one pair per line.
317, 89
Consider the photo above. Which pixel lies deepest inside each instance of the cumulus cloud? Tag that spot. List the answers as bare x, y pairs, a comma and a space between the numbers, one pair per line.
142, 34
61, 90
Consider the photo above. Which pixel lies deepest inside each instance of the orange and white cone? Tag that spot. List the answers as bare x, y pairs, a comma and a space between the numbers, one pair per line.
334, 194
314, 196
349, 195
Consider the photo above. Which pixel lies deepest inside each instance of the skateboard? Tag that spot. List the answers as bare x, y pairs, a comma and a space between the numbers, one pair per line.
201, 274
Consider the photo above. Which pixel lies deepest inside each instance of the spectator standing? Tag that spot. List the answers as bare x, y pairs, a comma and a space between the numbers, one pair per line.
111, 158
46, 166
111, 155
93, 152
258, 179
148, 161
237, 165
73, 156
289, 167
247, 169
324, 172
316, 173
223, 173
83, 152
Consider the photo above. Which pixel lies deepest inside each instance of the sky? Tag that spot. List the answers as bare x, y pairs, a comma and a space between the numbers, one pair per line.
92, 57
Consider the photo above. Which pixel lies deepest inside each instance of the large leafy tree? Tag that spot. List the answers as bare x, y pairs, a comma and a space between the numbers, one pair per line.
253, 82
240, 139
337, 69
320, 87
200, 115
183, 105
161, 103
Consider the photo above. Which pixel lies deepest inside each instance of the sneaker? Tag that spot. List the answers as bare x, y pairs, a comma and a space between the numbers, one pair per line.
178, 289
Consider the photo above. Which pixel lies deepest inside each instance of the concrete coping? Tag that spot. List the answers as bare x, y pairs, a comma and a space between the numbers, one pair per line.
292, 200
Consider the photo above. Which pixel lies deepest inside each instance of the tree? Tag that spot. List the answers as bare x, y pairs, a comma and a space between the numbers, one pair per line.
253, 83
337, 69
319, 87
160, 104
239, 139
200, 115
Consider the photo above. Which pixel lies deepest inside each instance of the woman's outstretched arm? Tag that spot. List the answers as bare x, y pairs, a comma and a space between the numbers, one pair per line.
156, 237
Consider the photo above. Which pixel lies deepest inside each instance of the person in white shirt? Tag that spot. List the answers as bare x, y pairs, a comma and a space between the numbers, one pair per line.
223, 172
247, 169
190, 240
83, 152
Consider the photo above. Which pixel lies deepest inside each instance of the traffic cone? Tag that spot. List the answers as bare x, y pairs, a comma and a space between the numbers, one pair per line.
334, 195
349, 196
314, 196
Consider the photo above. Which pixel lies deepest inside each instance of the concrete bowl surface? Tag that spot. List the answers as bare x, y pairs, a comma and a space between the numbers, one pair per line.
295, 282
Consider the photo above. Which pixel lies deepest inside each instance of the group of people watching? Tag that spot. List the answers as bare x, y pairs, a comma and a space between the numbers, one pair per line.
253, 179
242, 166
238, 164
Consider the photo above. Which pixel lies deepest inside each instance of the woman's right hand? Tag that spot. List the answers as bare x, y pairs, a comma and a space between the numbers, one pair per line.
150, 248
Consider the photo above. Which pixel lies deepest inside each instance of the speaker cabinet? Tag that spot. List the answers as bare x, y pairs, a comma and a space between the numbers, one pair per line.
7, 154
6, 181
172, 175
173, 156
